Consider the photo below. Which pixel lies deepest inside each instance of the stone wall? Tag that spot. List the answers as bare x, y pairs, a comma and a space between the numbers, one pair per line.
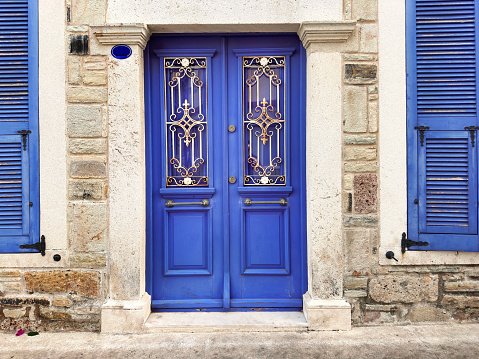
70, 298
383, 294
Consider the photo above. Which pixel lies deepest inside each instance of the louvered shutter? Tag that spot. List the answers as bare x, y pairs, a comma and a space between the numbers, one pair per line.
442, 101
18, 112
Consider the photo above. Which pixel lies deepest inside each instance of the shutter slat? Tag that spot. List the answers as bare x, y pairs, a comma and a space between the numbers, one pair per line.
445, 35
13, 60
447, 173
11, 215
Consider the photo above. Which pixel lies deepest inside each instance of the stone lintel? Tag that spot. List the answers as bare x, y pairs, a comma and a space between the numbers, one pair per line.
125, 316
127, 34
326, 314
311, 32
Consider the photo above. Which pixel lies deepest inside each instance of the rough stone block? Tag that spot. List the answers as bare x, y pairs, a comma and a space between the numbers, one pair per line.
95, 63
88, 11
373, 115
83, 146
373, 89
87, 94
464, 286
14, 313
364, 9
428, 314
348, 202
12, 287
85, 121
460, 301
355, 109
474, 273
88, 260
88, 169
404, 288
77, 28
21, 301
360, 221
347, 9
365, 193
88, 227
88, 310
368, 38
348, 181
357, 251
361, 167
7, 273
78, 44
360, 73
379, 318
352, 282
55, 314
359, 139
82, 283
95, 78
86, 189
355, 293
380, 308
355, 57
359, 153
74, 70
62, 301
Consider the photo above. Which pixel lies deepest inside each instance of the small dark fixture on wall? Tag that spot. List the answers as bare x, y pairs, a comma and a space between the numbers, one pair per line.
390, 255
57, 257
121, 51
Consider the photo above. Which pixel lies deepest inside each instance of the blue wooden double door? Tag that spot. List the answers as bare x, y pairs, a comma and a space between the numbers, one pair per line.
226, 177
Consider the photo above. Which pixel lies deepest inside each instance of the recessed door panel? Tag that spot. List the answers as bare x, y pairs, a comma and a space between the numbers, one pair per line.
188, 242
225, 138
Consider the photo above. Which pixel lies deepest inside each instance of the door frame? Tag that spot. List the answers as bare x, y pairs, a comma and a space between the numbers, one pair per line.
149, 115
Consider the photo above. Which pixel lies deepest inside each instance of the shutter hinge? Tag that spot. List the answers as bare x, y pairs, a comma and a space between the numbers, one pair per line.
472, 130
406, 243
24, 134
39, 246
421, 133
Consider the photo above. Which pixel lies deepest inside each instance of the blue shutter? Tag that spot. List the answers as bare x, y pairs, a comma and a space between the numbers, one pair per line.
19, 222
442, 98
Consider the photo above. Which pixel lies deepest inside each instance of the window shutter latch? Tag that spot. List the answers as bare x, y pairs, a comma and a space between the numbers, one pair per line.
472, 130
39, 246
24, 134
406, 243
421, 133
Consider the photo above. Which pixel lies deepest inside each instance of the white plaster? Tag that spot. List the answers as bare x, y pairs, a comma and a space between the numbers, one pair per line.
223, 12
127, 206
323, 175
34, 260
125, 316
393, 147
225, 322
327, 314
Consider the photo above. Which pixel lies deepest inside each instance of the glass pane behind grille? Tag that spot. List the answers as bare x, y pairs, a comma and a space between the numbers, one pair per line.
187, 124
263, 120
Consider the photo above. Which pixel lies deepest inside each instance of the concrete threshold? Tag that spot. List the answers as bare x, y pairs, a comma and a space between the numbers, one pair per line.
175, 322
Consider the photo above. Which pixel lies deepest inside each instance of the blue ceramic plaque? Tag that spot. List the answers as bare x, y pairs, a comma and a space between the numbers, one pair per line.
121, 51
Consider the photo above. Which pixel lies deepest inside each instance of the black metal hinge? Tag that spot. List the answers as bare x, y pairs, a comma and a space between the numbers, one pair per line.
472, 130
39, 246
24, 134
421, 130
406, 243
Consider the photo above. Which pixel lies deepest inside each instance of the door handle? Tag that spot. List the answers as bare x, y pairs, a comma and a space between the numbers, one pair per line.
203, 203
249, 202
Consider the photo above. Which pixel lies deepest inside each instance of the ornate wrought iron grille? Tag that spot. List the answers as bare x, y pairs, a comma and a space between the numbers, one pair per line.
263, 120
186, 122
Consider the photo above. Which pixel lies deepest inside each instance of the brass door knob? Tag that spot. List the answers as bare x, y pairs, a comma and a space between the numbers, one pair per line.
231, 128
232, 179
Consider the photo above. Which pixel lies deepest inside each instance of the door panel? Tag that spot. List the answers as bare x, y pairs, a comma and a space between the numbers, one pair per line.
215, 243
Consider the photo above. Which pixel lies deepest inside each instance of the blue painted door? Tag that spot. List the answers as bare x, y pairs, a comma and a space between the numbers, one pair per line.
225, 152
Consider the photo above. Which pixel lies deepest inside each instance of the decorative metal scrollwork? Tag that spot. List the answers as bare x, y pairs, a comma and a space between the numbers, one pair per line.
263, 120
186, 125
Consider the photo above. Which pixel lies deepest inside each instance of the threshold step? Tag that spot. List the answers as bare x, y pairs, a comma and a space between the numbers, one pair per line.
225, 322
